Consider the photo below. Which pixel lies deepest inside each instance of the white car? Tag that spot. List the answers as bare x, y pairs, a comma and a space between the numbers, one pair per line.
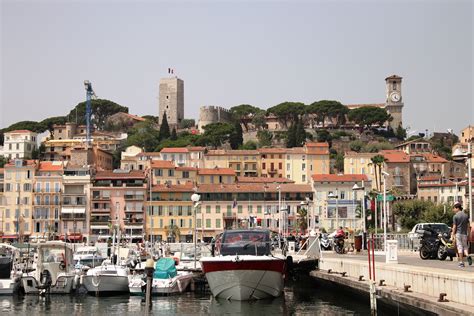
418, 229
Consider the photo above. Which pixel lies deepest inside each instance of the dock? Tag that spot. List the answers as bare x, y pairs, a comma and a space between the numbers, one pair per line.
433, 286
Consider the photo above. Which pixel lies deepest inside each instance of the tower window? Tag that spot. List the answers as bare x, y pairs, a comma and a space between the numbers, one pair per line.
394, 85
167, 96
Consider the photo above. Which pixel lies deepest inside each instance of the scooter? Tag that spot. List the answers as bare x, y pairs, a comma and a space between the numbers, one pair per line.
339, 244
325, 242
429, 244
446, 248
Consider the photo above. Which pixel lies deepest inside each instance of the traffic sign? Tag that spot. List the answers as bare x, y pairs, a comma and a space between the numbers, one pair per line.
389, 197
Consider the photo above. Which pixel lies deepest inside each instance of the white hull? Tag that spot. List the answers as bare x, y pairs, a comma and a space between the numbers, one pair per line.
64, 285
9, 286
242, 285
105, 284
178, 284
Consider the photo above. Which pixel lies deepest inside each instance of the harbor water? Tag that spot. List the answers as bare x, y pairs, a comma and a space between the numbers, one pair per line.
303, 297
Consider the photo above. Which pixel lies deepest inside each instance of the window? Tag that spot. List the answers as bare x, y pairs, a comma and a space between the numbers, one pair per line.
342, 195
218, 209
264, 165
198, 223
250, 209
287, 167
171, 173
208, 223
158, 172
303, 167
259, 209
208, 209
218, 223
394, 87
303, 178
185, 174
47, 186
38, 187
239, 209
280, 165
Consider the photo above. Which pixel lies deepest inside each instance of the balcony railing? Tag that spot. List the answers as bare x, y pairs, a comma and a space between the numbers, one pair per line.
73, 217
100, 198
134, 197
229, 215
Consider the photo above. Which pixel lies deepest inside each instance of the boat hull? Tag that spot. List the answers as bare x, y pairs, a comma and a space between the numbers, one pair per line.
175, 285
245, 278
64, 285
105, 284
9, 286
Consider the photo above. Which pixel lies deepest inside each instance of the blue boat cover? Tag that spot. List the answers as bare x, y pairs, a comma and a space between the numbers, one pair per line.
165, 268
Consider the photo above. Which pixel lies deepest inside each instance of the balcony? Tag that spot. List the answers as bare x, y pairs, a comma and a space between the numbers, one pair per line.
100, 221
229, 215
100, 198
136, 210
129, 197
100, 210
272, 171
73, 217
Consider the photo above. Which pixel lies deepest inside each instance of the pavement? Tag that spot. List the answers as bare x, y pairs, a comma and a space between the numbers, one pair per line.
409, 258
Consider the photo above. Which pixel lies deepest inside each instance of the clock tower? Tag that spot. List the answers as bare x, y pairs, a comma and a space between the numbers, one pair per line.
393, 100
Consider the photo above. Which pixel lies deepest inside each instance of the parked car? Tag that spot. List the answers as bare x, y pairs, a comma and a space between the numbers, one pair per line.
417, 232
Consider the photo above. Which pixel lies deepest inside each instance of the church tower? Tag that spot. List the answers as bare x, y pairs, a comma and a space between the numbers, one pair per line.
171, 100
394, 100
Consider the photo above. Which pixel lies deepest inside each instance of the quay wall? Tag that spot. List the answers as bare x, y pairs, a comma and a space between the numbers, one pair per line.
458, 285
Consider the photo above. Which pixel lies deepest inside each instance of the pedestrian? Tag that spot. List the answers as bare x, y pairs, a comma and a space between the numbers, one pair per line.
460, 232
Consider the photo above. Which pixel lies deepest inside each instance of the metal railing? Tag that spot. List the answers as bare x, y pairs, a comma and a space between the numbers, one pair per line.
404, 241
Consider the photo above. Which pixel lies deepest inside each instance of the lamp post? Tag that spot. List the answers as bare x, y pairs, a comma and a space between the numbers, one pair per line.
195, 198
280, 230
364, 217
461, 155
309, 214
336, 197
385, 174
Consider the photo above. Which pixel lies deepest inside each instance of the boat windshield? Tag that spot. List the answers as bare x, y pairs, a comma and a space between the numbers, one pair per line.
52, 255
245, 243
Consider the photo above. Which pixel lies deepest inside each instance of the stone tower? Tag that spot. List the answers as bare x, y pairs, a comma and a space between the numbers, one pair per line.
171, 100
394, 100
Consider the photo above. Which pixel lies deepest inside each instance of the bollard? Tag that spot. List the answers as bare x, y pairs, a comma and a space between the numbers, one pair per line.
406, 288
149, 269
442, 297
361, 278
329, 271
382, 283
343, 274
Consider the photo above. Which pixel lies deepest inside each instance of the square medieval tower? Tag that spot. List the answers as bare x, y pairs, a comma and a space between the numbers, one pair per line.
171, 100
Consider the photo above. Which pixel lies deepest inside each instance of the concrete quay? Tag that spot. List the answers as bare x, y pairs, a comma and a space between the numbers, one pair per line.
426, 280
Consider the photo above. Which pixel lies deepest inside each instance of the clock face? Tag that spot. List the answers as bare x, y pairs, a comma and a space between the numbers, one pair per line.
395, 97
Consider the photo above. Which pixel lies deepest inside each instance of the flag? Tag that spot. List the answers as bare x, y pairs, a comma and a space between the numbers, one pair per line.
234, 205
170, 70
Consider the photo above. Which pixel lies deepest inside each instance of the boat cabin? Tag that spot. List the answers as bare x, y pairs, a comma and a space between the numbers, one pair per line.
243, 242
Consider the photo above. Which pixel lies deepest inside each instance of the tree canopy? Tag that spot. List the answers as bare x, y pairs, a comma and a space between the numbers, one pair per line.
164, 128
243, 113
328, 109
236, 138
216, 134
144, 135
409, 213
101, 110
287, 112
367, 116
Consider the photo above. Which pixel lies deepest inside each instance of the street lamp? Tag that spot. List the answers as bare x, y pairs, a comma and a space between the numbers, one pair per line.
336, 197
309, 214
460, 155
385, 174
195, 198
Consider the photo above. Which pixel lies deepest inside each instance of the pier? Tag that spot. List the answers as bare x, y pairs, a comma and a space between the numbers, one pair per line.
434, 286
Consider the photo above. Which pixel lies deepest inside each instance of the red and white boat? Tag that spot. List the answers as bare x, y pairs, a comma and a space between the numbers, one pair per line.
243, 267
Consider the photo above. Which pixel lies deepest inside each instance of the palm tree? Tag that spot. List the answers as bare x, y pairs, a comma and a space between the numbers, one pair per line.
377, 161
302, 221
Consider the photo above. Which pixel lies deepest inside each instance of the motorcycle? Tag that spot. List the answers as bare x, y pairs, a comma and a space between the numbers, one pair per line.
429, 244
325, 242
446, 247
339, 244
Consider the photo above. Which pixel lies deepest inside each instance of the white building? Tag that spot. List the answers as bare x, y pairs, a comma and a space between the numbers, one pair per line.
19, 144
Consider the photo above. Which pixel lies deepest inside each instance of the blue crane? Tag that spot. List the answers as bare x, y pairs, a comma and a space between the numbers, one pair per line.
89, 95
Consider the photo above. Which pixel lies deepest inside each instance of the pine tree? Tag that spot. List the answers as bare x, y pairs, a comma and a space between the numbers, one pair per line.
236, 138
164, 128
300, 134
291, 136
174, 135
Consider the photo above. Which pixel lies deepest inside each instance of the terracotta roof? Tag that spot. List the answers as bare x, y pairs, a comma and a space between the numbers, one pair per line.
418, 140
165, 164
216, 171
430, 178
29, 162
174, 150
263, 180
135, 117
437, 185
20, 131
187, 169
434, 158
393, 77
197, 148
395, 156
296, 150
317, 148
339, 177
124, 174
320, 144
272, 150
222, 152
187, 187
50, 166
149, 154
354, 106
357, 155
253, 187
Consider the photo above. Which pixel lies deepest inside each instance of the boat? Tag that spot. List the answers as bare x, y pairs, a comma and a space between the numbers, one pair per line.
10, 274
166, 279
243, 267
54, 270
106, 279
87, 256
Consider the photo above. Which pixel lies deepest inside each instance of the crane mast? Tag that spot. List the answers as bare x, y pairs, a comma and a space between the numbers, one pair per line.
89, 94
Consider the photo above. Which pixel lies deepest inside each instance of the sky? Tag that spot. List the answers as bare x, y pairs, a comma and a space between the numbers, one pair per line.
234, 52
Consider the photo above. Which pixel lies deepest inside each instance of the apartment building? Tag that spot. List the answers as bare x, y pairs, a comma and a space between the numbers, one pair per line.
19, 144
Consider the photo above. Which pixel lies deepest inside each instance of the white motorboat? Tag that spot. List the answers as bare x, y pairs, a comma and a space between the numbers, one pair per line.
88, 256
166, 279
243, 267
10, 274
107, 279
54, 271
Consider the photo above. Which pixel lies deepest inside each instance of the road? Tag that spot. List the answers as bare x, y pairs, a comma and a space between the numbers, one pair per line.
406, 258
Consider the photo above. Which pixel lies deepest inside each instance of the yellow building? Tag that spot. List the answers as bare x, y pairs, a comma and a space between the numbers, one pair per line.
18, 197
272, 160
244, 162
296, 165
360, 163
317, 155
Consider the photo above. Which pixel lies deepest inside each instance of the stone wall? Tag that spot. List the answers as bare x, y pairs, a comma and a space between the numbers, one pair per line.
212, 114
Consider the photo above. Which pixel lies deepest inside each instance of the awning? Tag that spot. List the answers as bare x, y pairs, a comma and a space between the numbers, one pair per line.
71, 236
70, 210
9, 236
99, 227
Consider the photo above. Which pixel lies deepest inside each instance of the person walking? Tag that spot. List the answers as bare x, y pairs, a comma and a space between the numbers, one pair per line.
460, 232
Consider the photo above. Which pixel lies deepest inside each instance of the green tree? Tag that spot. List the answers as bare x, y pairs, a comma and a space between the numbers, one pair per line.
323, 136
101, 110
300, 134
287, 112
302, 219
328, 109
409, 213
291, 138
173, 231
164, 128
144, 135
377, 161
216, 134
174, 135
367, 116
48, 123
401, 133
3, 161
259, 120
249, 145
187, 123
236, 138
243, 114
264, 138
339, 162
356, 145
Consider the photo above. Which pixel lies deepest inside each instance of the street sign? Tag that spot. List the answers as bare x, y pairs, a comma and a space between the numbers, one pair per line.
389, 197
